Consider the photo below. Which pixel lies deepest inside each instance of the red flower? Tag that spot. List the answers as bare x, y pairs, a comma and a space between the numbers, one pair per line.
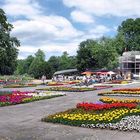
91, 106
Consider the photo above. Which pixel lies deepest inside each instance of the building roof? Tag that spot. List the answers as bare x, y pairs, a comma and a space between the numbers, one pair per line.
65, 71
131, 53
129, 56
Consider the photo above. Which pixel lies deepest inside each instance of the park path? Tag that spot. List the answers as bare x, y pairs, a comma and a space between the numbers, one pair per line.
23, 122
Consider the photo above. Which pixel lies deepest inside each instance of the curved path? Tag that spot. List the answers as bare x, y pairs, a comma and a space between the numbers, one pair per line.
23, 122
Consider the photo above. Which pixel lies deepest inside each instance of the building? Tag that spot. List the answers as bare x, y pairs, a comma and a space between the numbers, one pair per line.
130, 64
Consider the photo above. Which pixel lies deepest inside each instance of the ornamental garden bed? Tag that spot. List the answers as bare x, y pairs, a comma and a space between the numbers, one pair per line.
121, 116
127, 89
74, 89
62, 83
119, 82
17, 97
68, 89
19, 86
122, 92
114, 100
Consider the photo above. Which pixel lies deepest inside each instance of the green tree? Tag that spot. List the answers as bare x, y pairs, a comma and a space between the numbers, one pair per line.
54, 63
20, 67
23, 65
97, 54
130, 29
107, 55
40, 55
66, 61
36, 68
85, 58
39, 66
8, 46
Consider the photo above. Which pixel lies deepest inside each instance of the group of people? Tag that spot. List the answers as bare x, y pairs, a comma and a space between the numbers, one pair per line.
88, 80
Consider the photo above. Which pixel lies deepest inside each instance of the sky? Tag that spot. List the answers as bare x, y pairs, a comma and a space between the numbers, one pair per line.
56, 26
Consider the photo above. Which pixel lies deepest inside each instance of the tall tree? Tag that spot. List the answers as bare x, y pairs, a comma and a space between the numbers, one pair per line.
8, 46
23, 65
130, 29
97, 54
39, 66
54, 63
85, 58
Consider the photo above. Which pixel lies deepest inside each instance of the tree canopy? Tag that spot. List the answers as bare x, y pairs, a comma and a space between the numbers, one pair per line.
101, 53
130, 32
96, 54
8, 46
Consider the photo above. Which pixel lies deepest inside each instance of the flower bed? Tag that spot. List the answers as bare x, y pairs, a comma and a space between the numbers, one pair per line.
119, 82
74, 89
102, 87
19, 86
120, 116
114, 100
91, 106
62, 83
128, 123
17, 97
122, 92
127, 89
69, 89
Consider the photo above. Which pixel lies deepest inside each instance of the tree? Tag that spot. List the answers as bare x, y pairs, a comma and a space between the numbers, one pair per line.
107, 55
8, 46
119, 43
40, 55
39, 66
97, 54
54, 63
23, 65
36, 67
130, 29
20, 67
85, 58
67, 62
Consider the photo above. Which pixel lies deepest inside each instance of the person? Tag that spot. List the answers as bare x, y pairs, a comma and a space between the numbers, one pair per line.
43, 78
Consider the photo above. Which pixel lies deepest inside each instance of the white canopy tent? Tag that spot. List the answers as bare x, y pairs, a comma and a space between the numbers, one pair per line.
111, 73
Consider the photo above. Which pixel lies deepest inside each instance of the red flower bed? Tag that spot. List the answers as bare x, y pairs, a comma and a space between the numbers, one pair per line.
91, 106
102, 87
15, 97
56, 84
127, 89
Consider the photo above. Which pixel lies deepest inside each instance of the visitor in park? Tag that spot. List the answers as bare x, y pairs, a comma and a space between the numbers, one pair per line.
43, 78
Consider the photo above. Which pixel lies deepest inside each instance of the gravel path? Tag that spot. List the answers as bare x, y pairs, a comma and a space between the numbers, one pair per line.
23, 122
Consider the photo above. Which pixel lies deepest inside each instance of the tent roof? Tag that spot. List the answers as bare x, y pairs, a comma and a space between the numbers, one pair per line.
65, 71
87, 72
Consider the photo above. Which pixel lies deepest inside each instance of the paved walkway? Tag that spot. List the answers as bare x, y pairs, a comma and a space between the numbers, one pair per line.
23, 122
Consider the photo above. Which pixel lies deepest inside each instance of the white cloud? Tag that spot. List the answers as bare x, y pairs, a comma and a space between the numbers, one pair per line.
79, 16
100, 29
51, 33
96, 32
27, 8
106, 7
45, 28
49, 48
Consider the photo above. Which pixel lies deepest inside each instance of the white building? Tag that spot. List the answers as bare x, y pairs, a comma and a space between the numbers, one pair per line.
130, 64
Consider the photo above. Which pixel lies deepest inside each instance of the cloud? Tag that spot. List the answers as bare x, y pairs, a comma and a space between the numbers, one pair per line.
52, 33
117, 8
100, 29
36, 27
49, 48
79, 16
27, 8
45, 28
